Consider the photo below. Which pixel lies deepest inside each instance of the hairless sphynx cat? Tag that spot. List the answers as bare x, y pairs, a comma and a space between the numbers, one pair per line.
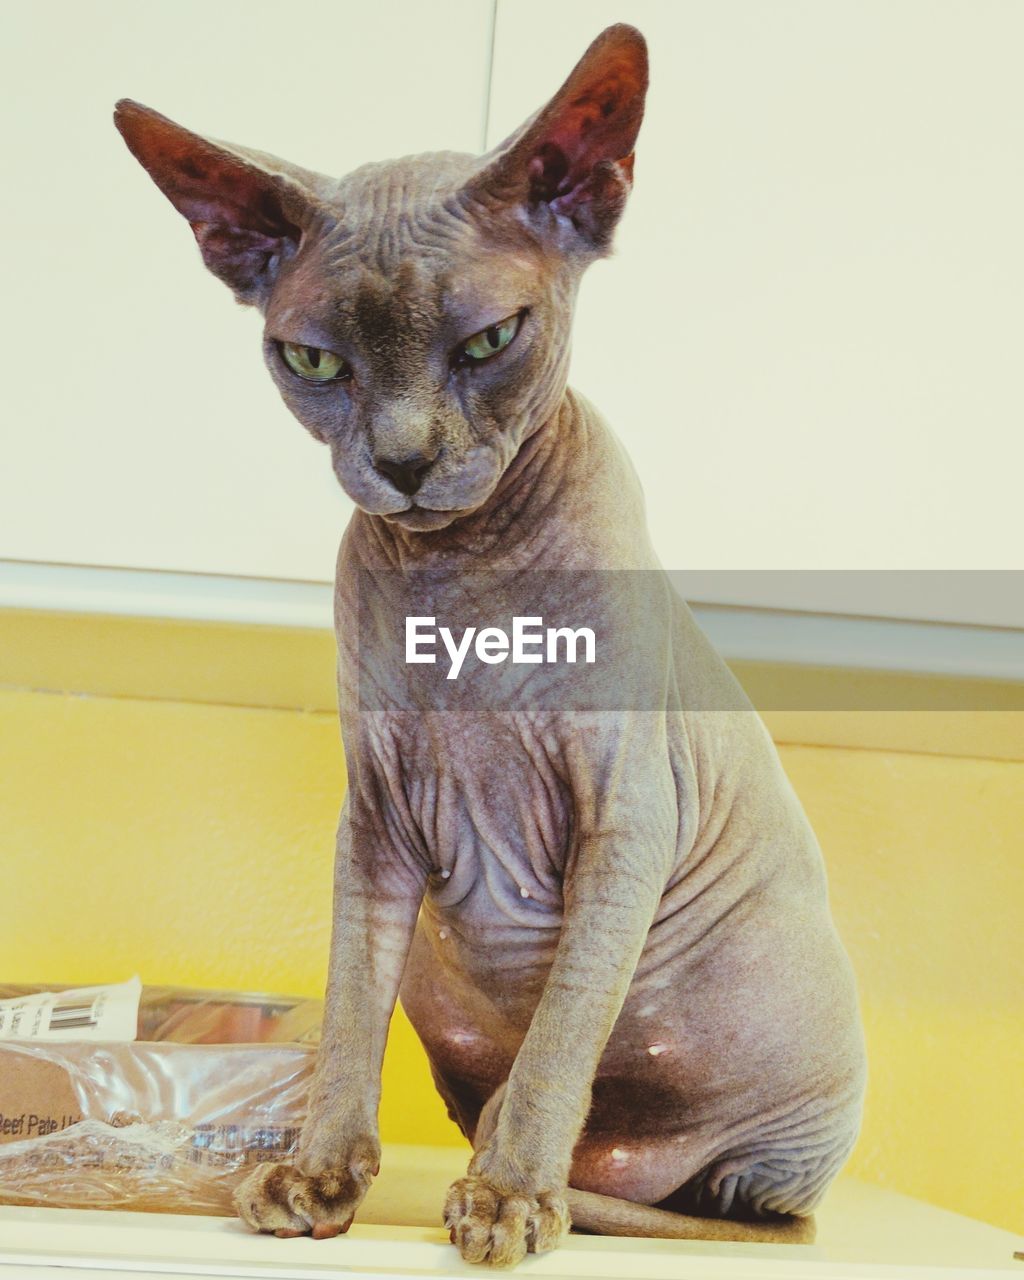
609, 927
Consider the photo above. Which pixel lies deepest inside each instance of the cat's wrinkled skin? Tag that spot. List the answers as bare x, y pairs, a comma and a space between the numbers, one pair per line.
610, 929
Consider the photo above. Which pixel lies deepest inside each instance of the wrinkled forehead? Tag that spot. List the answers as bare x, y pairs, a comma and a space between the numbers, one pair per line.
402, 256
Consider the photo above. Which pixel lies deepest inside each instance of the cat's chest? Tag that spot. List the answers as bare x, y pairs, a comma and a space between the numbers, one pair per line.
491, 809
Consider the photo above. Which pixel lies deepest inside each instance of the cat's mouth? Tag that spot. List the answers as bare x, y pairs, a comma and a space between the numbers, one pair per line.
423, 519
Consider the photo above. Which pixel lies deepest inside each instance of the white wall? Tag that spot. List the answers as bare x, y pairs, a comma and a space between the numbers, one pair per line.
140, 427
810, 337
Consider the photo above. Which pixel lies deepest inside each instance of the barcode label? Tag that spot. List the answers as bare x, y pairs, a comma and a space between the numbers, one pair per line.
232, 1144
68, 1014
85, 1013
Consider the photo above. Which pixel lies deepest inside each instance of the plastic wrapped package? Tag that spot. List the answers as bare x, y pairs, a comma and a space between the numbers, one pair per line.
215, 1082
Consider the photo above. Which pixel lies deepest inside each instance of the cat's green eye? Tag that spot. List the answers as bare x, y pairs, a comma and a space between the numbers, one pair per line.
313, 363
488, 342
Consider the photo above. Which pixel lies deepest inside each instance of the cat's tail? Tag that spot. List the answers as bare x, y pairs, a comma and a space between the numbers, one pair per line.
608, 1216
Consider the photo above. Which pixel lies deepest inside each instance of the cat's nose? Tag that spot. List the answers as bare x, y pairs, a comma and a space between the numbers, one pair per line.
406, 474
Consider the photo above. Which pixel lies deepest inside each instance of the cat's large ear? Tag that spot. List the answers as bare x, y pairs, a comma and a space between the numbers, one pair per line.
575, 156
247, 210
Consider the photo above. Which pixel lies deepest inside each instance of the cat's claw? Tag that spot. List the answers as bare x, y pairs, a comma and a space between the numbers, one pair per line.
278, 1198
489, 1226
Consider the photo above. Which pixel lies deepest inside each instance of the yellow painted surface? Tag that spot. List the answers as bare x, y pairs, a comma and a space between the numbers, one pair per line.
926, 877
192, 843
175, 659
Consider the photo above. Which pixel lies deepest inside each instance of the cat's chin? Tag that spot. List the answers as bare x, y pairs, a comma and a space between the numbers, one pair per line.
422, 519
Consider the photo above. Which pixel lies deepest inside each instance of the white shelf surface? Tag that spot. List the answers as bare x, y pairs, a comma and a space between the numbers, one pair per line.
863, 1231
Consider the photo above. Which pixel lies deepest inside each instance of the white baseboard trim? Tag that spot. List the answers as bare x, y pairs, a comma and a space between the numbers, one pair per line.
869, 644
158, 593
739, 633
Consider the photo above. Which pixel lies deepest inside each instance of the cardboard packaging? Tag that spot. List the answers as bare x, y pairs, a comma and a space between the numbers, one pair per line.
215, 1082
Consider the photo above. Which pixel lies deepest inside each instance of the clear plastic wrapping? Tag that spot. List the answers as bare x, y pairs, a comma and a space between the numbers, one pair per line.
216, 1082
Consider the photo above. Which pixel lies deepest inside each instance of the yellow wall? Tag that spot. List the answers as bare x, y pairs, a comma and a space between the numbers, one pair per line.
192, 844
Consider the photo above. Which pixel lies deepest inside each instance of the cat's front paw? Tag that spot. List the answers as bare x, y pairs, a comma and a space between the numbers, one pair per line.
316, 1200
490, 1226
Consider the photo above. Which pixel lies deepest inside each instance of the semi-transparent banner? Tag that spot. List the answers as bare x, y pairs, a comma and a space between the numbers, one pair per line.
548, 640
